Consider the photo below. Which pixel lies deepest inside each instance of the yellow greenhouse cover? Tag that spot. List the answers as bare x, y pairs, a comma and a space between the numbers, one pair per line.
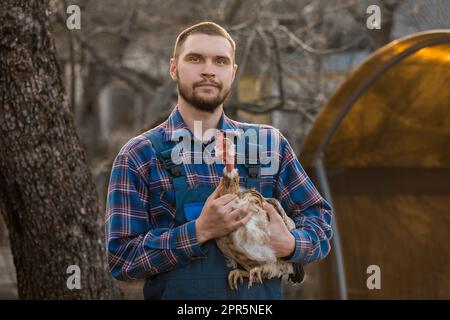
384, 138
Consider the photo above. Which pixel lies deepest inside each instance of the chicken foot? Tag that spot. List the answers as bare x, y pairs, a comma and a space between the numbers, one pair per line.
255, 276
234, 276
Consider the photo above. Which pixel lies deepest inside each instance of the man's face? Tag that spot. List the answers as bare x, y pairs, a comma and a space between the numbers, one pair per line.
204, 71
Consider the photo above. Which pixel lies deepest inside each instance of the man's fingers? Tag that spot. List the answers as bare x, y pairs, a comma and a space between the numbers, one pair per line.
236, 213
269, 208
246, 218
242, 221
273, 213
227, 207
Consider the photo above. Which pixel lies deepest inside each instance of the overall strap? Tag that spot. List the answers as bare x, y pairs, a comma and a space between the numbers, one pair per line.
163, 151
254, 169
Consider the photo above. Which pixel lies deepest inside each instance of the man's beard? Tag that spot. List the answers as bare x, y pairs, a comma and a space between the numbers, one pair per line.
209, 105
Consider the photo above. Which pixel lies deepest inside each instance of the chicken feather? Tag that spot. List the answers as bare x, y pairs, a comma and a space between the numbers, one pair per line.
249, 239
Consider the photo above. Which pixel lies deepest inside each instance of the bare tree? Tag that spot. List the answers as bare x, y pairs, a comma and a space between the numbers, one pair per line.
47, 195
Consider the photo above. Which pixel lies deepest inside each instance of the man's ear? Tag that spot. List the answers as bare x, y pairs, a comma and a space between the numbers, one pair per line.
173, 69
235, 67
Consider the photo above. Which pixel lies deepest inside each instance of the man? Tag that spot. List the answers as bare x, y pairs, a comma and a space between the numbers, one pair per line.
163, 217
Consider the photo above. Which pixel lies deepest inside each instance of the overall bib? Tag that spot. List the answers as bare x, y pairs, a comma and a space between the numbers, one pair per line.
203, 277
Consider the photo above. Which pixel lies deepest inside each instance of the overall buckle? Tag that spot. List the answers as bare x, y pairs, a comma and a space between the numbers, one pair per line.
254, 170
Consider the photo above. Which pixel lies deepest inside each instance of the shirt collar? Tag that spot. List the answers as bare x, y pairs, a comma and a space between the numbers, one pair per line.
176, 127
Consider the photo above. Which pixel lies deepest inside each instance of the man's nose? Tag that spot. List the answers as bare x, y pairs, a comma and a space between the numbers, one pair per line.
208, 70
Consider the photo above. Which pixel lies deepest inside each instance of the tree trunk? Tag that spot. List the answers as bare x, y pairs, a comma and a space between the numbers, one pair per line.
47, 194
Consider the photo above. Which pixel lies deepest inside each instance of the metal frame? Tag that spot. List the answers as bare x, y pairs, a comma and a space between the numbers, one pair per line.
318, 159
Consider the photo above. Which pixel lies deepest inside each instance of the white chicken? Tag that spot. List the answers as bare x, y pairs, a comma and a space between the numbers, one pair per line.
249, 239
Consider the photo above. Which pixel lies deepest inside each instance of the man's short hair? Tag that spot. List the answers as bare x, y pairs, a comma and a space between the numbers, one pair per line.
207, 27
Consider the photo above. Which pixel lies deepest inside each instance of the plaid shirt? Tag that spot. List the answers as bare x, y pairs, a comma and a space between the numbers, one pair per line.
141, 235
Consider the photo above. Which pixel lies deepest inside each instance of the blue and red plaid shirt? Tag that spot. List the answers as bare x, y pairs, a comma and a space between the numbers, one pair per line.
141, 235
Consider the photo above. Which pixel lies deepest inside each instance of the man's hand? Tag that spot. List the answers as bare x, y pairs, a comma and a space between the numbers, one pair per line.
217, 218
279, 237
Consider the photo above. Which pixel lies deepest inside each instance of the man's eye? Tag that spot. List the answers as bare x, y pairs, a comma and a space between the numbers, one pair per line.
194, 59
221, 61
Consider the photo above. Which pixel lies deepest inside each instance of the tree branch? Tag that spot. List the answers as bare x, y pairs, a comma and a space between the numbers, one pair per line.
312, 50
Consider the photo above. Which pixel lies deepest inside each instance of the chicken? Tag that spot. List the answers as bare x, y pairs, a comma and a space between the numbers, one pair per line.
249, 239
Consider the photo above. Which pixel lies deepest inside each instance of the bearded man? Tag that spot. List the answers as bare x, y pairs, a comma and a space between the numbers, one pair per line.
162, 217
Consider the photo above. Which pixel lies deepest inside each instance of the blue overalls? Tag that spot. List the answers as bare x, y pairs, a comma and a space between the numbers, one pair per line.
202, 278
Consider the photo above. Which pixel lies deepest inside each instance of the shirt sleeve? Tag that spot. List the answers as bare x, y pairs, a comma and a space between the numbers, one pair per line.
303, 203
135, 248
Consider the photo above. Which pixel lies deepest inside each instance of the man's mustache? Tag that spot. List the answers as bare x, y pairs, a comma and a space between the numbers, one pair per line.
213, 83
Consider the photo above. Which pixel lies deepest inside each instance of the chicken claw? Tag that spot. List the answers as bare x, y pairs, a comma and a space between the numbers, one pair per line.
255, 276
234, 276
